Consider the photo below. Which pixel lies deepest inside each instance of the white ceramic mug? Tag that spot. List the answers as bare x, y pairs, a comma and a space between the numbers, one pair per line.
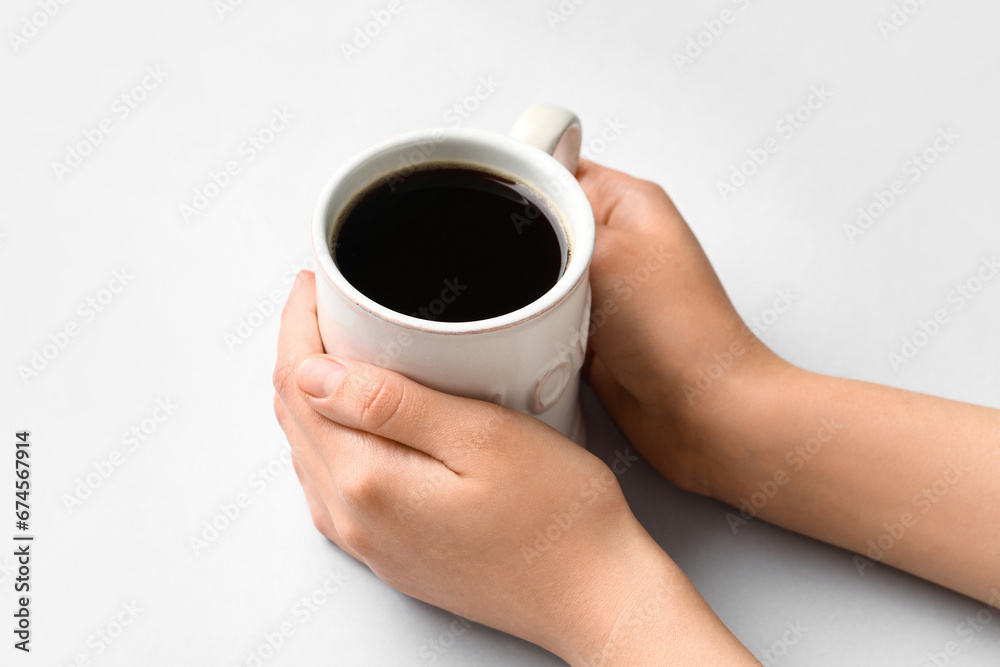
528, 359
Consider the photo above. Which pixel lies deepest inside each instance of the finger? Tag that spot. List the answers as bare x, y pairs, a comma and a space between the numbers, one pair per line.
592, 172
621, 200
304, 452
371, 399
318, 511
299, 336
374, 476
604, 187
321, 494
368, 472
298, 339
620, 404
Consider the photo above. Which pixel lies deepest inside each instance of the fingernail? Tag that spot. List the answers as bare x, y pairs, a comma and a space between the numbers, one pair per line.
319, 376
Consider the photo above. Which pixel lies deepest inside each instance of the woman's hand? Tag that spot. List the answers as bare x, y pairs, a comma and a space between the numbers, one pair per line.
480, 510
669, 355
902, 478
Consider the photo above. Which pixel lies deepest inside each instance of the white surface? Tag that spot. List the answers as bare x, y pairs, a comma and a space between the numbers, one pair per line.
164, 335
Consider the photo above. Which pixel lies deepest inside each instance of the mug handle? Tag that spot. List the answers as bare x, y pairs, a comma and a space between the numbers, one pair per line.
555, 130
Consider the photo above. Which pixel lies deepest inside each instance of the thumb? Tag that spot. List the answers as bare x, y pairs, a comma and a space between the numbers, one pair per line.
627, 313
388, 404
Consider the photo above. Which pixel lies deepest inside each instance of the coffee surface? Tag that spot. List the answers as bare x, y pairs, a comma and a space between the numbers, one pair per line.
449, 244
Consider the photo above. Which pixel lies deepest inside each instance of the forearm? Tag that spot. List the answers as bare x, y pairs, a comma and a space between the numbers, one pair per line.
898, 477
647, 612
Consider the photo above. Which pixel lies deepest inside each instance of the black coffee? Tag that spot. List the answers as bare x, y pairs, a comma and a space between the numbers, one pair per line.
449, 243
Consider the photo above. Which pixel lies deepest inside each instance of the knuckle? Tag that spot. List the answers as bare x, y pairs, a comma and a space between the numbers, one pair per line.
283, 377
355, 537
360, 491
491, 426
379, 401
650, 188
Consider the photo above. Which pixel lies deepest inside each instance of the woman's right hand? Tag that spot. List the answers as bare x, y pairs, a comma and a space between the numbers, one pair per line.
902, 478
662, 328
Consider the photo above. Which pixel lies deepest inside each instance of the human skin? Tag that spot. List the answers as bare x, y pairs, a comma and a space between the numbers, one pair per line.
489, 480
843, 461
902, 478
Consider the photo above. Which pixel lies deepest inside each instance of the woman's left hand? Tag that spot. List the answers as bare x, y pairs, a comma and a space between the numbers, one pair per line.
464, 504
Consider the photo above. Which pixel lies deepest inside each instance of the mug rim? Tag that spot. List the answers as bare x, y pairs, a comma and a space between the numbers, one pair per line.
582, 231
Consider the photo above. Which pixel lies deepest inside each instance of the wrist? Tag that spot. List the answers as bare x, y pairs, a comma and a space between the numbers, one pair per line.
641, 609
725, 426
625, 596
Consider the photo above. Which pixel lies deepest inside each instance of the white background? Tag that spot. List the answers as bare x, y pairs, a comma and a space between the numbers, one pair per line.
165, 335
